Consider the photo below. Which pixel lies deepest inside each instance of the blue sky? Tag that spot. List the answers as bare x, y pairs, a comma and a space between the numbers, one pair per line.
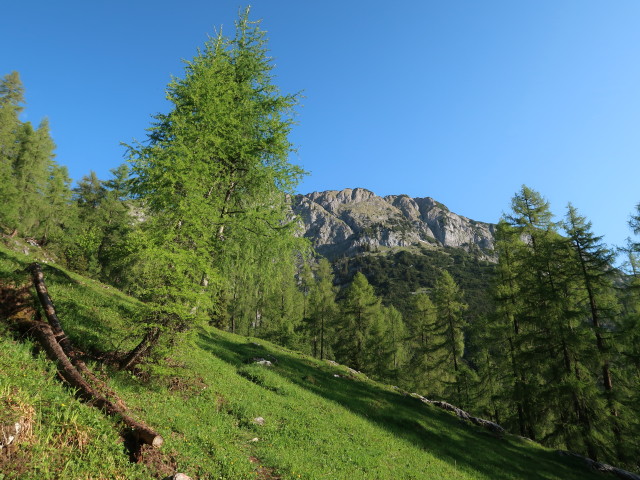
463, 101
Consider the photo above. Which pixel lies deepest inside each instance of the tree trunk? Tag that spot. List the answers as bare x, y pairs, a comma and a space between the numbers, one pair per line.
45, 336
59, 334
135, 355
322, 337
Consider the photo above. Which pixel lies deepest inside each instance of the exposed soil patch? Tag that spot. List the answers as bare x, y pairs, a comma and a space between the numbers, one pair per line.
16, 428
262, 472
16, 302
187, 386
161, 464
14, 461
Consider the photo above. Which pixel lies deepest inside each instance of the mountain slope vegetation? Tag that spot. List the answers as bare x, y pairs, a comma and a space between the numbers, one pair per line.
224, 416
526, 323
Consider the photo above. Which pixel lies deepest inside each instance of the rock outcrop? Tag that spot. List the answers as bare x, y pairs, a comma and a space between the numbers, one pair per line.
355, 220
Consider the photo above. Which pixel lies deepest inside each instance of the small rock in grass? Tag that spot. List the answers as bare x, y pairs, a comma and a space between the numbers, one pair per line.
258, 421
178, 476
255, 439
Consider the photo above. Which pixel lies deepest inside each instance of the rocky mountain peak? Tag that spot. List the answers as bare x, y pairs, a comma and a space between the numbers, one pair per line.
350, 221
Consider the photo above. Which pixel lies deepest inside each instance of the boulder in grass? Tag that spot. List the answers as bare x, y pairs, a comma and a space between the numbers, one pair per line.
267, 361
263, 362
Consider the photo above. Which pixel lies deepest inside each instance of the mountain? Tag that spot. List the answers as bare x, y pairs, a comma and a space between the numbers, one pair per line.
351, 221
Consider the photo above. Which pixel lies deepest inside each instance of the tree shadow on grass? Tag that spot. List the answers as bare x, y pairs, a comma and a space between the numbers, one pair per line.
441, 433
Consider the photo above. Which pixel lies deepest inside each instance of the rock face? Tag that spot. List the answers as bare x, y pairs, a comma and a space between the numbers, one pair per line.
350, 221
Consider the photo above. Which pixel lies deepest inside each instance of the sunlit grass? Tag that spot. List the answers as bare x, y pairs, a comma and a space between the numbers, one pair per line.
205, 401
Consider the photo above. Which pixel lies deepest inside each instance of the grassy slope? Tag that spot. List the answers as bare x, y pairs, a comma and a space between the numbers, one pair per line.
204, 401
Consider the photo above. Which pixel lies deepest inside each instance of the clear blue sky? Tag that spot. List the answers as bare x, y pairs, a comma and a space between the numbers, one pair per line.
462, 101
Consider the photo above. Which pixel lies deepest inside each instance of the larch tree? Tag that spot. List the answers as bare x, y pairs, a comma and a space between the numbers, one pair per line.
556, 391
35, 193
450, 322
11, 100
421, 323
322, 308
360, 310
593, 263
214, 168
505, 332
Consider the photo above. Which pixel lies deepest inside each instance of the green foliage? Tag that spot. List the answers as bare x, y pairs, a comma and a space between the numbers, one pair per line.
448, 329
34, 189
360, 311
214, 177
97, 242
11, 98
397, 276
322, 309
206, 399
553, 334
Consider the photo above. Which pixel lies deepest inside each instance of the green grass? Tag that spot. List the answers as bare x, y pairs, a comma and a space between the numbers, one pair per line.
67, 439
204, 401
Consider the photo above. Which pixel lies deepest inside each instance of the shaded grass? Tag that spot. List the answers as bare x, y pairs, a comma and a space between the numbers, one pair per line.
436, 441
205, 401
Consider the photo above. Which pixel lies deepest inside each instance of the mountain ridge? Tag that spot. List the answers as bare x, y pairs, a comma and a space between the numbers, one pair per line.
350, 221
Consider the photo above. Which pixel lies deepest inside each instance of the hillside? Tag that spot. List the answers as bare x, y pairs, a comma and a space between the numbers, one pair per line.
401, 244
223, 416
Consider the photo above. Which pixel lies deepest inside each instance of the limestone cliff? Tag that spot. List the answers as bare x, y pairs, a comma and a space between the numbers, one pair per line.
355, 220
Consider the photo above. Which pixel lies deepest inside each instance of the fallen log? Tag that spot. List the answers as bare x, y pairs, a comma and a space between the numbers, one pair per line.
43, 332
55, 342
47, 305
61, 337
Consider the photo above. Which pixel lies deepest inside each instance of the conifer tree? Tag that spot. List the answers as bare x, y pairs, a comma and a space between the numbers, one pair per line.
360, 309
215, 168
322, 308
58, 214
423, 374
506, 334
11, 99
447, 299
552, 344
34, 190
396, 332
31, 169
593, 266
104, 223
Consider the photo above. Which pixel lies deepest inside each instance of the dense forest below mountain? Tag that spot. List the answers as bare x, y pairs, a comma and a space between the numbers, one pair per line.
539, 332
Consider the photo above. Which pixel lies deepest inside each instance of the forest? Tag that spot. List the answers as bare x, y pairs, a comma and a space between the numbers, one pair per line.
197, 225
